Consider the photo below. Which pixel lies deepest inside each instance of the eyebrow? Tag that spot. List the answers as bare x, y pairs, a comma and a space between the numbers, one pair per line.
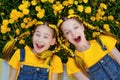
45, 33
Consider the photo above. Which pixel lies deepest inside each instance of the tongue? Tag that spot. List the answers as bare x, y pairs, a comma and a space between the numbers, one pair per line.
39, 46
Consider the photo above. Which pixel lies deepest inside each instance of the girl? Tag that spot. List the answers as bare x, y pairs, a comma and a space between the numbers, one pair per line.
94, 55
31, 63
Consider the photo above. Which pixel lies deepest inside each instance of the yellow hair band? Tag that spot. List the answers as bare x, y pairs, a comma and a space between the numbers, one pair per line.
73, 16
50, 25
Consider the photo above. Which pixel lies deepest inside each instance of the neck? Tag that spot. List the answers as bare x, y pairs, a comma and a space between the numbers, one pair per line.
83, 47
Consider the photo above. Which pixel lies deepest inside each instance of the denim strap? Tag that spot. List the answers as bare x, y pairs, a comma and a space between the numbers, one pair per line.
101, 44
22, 55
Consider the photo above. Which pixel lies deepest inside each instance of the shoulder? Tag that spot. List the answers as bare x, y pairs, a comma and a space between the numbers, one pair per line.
55, 57
108, 41
27, 47
17, 52
105, 37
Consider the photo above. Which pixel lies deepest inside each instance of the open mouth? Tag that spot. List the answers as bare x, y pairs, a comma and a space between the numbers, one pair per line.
39, 46
78, 39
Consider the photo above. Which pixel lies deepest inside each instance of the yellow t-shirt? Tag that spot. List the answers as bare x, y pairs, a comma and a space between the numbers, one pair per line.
32, 60
93, 54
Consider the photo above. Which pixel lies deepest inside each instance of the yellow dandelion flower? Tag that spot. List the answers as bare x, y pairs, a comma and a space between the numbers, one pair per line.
70, 1
71, 11
95, 34
65, 3
3, 29
57, 8
57, 2
76, 2
104, 18
117, 22
88, 10
38, 8
85, 1
27, 26
106, 27
55, 12
17, 31
43, 1
11, 21
21, 7
25, 11
100, 12
30, 24
22, 25
80, 8
40, 14
22, 41
92, 18
51, 1
13, 14
103, 6
27, 33
80, 1
34, 21
98, 17
25, 20
20, 14
8, 29
26, 4
34, 2
5, 22
111, 17
29, 19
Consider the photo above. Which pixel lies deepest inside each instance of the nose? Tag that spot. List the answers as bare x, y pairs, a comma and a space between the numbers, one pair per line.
73, 34
40, 39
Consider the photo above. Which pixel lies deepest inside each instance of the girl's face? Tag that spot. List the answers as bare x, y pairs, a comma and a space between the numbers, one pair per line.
73, 31
43, 37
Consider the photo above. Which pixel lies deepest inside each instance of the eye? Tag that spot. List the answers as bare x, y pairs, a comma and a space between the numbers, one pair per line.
67, 32
76, 27
46, 37
38, 35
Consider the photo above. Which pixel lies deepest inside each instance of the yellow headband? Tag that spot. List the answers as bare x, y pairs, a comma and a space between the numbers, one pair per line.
73, 16
68, 17
50, 25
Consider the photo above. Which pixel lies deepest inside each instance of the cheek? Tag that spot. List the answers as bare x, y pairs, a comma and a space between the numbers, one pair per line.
33, 38
68, 37
48, 41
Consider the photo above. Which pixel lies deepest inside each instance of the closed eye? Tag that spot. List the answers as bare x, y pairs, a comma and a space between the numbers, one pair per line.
76, 27
45, 36
38, 35
67, 32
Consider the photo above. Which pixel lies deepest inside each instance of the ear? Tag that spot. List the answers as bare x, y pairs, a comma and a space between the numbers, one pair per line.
53, 41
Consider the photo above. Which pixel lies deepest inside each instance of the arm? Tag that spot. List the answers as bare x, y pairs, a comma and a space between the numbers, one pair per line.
55, 76
80, 76
13, 74
116, 54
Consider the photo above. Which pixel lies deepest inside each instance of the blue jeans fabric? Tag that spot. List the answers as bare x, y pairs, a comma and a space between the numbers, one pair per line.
105, 69
33, 73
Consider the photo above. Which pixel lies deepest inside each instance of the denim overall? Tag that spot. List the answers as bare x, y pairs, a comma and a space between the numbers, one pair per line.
30, 72
106, 69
